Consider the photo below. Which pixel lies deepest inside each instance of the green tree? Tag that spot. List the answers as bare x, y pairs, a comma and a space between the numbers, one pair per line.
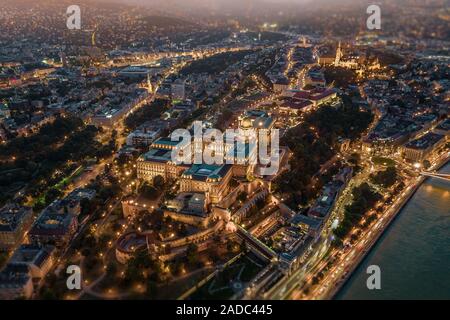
152, 289
158, 182
192, 253
385, 178
111, 269
3, 259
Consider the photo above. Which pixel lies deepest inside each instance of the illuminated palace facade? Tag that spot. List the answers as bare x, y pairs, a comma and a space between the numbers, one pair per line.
237, 158
158, 161
213, 180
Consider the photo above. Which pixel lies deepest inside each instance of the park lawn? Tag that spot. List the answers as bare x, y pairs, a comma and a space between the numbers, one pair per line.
382, 161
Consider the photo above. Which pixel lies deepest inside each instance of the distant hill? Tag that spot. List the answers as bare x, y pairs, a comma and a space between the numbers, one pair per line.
217, 7
167, 22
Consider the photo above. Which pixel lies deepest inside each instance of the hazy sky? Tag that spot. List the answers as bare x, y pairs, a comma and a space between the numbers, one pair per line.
205, 2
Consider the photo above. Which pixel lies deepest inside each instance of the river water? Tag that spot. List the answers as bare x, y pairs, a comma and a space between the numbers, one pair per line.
414, 252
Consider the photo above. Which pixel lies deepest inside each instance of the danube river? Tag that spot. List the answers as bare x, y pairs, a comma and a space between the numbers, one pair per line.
414, 252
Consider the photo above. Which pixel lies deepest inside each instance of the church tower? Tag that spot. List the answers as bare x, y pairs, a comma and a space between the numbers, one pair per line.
339, 55
63, 59
149, 85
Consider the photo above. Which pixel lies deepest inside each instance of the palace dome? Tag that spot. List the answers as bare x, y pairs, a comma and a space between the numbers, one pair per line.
246, 123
